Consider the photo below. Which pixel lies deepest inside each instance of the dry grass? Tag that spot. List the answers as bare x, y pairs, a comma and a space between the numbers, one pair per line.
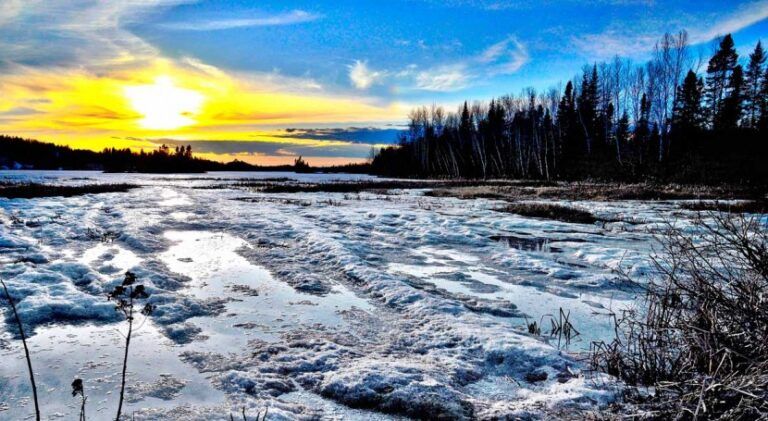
597, 191
750, 206
701, 340
34, 190
550, 211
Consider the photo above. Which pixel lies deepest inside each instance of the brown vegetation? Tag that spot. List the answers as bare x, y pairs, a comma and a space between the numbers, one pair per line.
598, 191
750, 206
34, 190
550, 211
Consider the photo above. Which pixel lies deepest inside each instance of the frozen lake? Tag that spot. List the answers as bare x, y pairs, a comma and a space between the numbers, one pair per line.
316, 305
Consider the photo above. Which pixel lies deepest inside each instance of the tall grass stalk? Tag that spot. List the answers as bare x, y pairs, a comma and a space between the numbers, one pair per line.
26, 349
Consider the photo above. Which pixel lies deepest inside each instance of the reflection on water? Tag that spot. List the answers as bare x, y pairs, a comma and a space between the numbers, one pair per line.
259, 305
464, 274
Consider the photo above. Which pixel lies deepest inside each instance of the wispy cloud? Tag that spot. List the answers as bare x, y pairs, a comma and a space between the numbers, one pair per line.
500, 5
290, 18
444, 78
365, 135
623, 39
741, 18
502, 58
80, 33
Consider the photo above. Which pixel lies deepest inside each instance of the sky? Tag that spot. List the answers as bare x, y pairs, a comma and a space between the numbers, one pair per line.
267, 81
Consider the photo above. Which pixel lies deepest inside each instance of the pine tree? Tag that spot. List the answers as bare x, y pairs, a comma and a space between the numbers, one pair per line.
752, 85
568, 124
687, 113
567, 106
642, 132
733, 106
654, 144
622, 135
465, 126
606, 130
719, 71
762, 122
587, 107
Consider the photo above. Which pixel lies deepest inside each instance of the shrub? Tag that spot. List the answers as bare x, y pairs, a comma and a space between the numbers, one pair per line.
701, 339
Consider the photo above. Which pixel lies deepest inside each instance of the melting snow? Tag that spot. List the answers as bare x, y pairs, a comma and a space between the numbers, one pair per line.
311, 304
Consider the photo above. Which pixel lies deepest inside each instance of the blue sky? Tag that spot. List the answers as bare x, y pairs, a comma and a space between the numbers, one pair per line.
349, 63
425, 51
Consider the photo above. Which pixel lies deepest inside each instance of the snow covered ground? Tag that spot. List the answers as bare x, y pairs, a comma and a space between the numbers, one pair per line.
315, 305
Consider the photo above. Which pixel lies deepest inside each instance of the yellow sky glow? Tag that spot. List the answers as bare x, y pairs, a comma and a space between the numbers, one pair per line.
168, 100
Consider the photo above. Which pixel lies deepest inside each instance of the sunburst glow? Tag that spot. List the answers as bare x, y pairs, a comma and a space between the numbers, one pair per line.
163, 105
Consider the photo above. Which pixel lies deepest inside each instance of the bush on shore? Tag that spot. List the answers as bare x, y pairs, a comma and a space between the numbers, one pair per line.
701, 339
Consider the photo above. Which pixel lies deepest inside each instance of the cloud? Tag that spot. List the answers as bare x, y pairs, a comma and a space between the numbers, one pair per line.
502, 5
743, 17
623, 39
444, 78
362, 77
10, 11
291, 18
19, 111
502, 58
364, 135
83, 33
505, 57
267, 147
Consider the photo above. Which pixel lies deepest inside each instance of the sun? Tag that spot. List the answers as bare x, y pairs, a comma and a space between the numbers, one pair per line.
163, 105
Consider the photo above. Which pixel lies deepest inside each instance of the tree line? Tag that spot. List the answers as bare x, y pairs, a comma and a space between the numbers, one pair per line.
20, 153
665, 119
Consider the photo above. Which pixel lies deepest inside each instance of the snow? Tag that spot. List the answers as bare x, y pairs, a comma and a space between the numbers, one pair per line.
340, 306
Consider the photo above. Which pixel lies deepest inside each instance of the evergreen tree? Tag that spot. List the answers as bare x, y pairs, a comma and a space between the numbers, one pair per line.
732, 109
654, 144
465, 126
587, 107
569, 127
752, 85
762, 122
622, 135
719, 71
687, 114
642, 132
606, 138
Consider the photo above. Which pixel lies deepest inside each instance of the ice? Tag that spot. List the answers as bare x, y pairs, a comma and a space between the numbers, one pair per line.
94, 353
319, 305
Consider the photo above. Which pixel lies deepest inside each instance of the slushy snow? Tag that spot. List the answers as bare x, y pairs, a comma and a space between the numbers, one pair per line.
369, 306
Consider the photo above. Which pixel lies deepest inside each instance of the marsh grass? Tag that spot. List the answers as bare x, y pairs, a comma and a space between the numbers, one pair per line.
561, 328
585, 190
750, 206
550, 211
259, 416
376, 186
34, 190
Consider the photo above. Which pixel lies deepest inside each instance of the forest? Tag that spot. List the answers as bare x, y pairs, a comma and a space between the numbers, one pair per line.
19, 153
671, 119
